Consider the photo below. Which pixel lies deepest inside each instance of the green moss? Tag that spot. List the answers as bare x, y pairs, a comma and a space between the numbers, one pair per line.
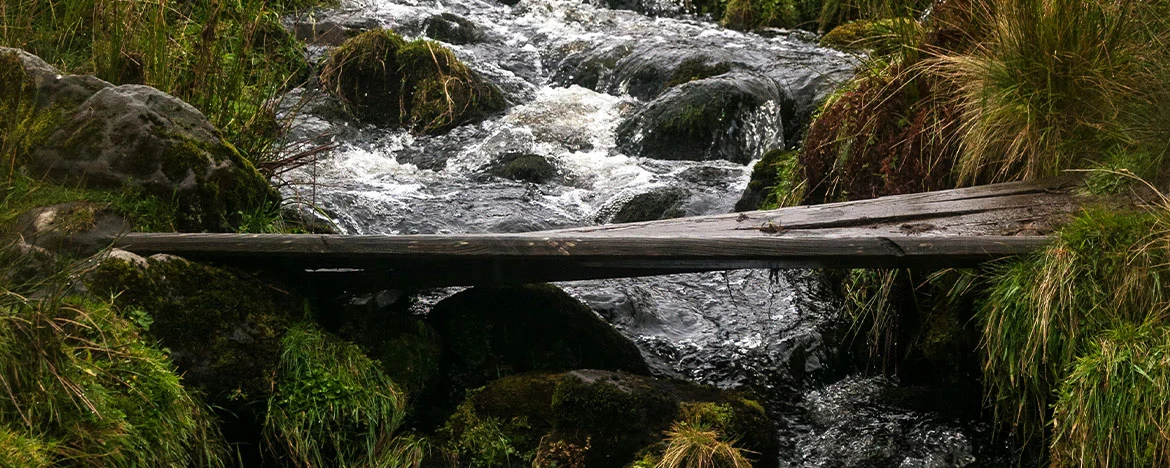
144, 212
333, 406
224, 328
777, 181
487, 440
19, 449
433, 90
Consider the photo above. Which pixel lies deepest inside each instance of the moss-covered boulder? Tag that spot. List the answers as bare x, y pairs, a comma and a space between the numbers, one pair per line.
132, 138
223, 328
597, 419
138, 137
383, 79
81, 228
732, 116
492, 332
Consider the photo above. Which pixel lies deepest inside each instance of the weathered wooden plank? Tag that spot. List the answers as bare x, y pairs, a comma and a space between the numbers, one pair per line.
951, 228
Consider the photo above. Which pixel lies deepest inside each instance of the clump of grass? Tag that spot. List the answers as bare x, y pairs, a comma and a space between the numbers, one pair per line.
1111, 409
1047, 322
1058, 84
698, 439
333, 406
81, 386
697, 446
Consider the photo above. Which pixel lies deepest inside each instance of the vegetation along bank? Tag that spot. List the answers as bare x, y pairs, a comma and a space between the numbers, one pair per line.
159, 116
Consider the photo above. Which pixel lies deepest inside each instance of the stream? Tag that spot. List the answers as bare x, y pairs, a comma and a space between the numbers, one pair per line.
589, 83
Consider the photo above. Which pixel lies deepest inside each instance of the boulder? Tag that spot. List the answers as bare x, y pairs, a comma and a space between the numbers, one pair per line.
524, 167
383, 79
223, 328
736, 117
777, 180
78, 228
600, 419
49, 86
660, 203
140, 139
492, 332
452, 29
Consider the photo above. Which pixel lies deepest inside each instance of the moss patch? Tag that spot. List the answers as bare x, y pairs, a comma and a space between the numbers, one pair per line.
777, 180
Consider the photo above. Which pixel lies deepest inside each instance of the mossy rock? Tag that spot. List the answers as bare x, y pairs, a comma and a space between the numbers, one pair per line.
407, 347
600, 418
223, 328
383, 79
864, 34
79, 228
523, 167
776, 181
492, 332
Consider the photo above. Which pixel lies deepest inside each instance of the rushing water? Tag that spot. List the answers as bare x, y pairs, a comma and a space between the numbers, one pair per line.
575, 73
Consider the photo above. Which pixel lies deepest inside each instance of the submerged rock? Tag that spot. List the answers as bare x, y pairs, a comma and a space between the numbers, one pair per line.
452, 29
384, 79
523, 167
599, 419
661, 203
734, 117
492, 332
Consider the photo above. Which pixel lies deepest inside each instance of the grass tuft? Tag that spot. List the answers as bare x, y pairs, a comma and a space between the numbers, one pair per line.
1058, 84
333, 406
79, 385
1048, 317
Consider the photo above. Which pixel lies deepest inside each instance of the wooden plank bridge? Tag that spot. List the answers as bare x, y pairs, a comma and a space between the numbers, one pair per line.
959, 227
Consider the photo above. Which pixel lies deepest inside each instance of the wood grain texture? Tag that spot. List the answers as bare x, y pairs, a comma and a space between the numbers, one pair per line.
954, 228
